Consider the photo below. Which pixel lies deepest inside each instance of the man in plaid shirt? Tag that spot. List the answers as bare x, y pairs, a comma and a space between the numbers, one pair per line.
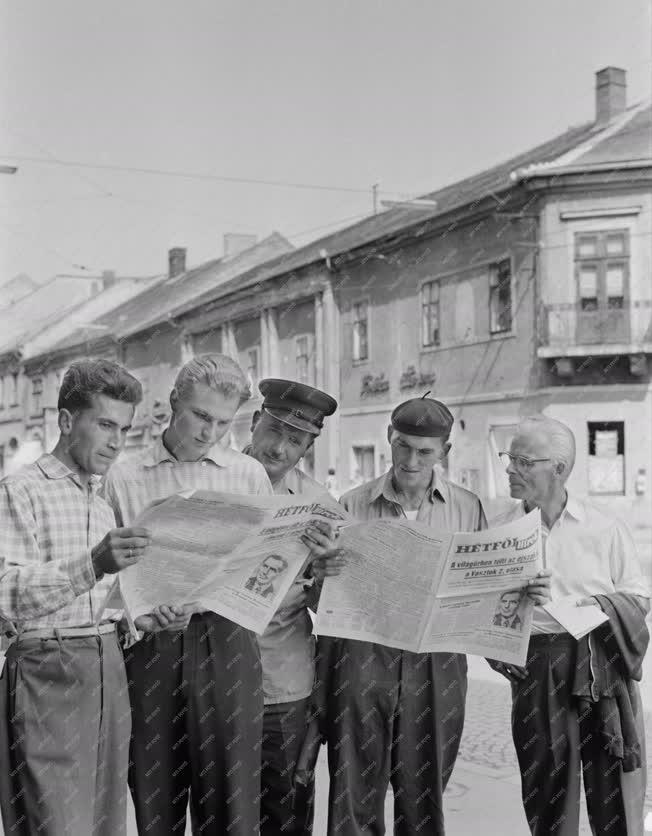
64, 710
196, 694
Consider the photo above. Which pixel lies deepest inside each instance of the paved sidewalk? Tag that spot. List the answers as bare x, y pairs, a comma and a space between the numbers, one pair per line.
483, 796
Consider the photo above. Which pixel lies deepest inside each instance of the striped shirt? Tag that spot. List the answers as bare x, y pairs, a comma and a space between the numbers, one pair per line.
49, 522
133, 484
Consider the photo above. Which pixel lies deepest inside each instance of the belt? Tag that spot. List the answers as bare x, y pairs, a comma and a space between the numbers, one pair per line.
69, 632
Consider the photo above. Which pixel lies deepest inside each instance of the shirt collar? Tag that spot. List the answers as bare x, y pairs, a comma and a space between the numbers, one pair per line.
385, 487
54, 468
158, 453
574, 508
296, 476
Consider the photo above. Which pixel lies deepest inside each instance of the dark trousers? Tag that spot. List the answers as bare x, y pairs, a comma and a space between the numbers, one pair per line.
282, 810
197, 711
556, 745
64, 738
390, 716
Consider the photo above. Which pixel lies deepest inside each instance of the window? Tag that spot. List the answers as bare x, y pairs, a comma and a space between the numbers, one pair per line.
500, 438
602, 277
363, 464
303, 358
606, 462
37, 392
13, 382
252, 366
430, 313
2, 392
360, 331
500, 297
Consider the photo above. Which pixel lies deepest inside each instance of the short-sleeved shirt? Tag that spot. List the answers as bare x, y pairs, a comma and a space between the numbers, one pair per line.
445, 506
133, 484
49, 523
590, 553
287, 647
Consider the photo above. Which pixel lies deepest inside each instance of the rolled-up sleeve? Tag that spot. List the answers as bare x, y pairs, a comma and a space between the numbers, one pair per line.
626, 572
30, 587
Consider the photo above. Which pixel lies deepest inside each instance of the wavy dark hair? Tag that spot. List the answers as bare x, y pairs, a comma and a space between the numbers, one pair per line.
86, 378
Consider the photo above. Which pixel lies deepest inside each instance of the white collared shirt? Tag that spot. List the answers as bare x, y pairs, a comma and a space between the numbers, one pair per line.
589, 552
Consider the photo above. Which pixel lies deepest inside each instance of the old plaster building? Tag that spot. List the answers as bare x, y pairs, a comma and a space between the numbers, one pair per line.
527, 287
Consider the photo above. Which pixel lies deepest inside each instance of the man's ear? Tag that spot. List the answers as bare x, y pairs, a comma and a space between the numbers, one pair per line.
174, 399
254, 420
65, 421
446, 449
390, 430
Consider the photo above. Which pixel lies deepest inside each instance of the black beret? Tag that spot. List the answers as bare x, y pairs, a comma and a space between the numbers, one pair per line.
422, 416
297, 404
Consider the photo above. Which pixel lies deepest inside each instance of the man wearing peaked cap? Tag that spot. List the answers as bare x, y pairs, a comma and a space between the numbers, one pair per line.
390, 715
282, 432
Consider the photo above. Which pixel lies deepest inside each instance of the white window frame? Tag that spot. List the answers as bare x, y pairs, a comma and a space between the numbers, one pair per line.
362, 445
310, 358
37, 396
427, 283
591, 457
253, 380
15, 389
493, 461
355, 347
493, 270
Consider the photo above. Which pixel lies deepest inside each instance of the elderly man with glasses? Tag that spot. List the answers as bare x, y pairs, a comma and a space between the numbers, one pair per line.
576, 705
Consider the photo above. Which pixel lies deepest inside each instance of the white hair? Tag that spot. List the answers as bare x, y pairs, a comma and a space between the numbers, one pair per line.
560, 437
217, 371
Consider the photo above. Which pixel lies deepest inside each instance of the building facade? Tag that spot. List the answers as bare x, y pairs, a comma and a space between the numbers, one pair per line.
526, 288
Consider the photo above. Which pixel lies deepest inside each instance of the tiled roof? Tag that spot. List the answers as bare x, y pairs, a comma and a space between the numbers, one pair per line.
42, 306
624, 139
625, 136
163, 298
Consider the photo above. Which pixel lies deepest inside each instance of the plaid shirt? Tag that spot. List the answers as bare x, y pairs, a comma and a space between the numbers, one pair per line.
49, 522
133, 484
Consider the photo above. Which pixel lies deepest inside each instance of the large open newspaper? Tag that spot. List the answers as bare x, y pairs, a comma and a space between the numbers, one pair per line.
234, 555
406, 587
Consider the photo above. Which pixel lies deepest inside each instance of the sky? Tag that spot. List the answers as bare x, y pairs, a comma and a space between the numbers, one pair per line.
408, 94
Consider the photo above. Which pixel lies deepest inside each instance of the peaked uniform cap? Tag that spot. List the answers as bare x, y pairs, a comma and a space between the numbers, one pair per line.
296, 404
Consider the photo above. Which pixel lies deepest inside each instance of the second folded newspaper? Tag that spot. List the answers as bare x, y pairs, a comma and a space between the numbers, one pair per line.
405, 587
234, 555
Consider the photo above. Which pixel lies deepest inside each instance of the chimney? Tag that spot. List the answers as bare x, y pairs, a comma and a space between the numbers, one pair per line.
235, 243
610, 94
176, 261
108, 279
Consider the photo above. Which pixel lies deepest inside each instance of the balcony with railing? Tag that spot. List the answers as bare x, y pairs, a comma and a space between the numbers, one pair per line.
585, 327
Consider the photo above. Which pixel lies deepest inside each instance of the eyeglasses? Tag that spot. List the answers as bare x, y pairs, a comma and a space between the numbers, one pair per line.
520, 462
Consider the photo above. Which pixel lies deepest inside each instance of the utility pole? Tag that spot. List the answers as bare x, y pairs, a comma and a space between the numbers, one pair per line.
374, 192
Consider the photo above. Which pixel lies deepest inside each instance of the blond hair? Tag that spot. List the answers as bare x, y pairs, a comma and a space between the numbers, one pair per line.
218, 372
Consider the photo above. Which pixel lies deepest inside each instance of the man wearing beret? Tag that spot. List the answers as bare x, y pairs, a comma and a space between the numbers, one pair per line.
282, 432
388, 714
